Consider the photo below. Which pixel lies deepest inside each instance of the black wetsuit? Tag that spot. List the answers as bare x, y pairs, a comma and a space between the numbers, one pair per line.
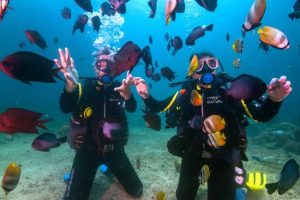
192, 144
106, 106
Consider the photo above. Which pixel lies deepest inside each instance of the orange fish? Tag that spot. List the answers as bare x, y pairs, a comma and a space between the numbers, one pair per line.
254, 16
213, 123
273, 37
11, 177
196, 98
170, 9
216, 139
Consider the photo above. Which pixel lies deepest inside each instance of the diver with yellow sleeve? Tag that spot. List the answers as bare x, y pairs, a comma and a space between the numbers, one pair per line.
98, 126
210, 113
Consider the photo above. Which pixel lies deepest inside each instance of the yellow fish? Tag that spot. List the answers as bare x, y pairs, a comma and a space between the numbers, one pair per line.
196, 98
273, 37
161, 195
238, 46
11, 177
236, 62
193, 65
216, 139
213, 124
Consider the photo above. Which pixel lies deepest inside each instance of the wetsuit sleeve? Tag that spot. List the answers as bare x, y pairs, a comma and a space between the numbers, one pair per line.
156, 105
130, 104
68, 100
263, 111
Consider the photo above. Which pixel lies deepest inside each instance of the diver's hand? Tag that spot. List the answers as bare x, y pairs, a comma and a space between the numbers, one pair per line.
67, 67
124, 89
279, 89
141, 87
78, 141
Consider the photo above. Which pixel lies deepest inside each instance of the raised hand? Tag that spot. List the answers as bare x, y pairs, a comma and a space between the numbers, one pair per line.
124, 89
278, 89
141, 87
67, 67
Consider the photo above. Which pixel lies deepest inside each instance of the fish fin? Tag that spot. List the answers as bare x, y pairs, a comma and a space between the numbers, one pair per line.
173, 16
40, 123
272, 187
260, 31
81, 29
174, 52
63, 139
210, 27
292, 16
254, 26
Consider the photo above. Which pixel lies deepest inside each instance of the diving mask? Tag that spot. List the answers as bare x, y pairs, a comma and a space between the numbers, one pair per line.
211, 62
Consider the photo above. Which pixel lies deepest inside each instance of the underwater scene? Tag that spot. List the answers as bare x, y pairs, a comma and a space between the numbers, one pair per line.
153, 49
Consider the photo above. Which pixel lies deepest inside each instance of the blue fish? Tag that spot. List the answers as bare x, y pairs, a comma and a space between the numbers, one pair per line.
288, 177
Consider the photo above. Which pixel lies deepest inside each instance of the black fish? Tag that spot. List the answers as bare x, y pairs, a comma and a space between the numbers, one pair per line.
96, 23
263, 46
166, 36
168, 73
22, 45
80, 23
27, 66
47, 141
246, 87
55, 40
288, 177
66, 13
36, 38
176, 43
150, 39
126, 58
149, 71
85, 5
296, 13
106, 9
180, 8
119, 5
227, 37
196, 33
155, 77
147, 56
152, 120
153, 5
209, 5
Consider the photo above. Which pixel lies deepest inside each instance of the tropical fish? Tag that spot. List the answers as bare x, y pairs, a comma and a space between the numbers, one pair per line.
35, 37
216, 139
246, 87
3, 7
152, 119
80, 23
27, 66
126, 58
47, 141
254, 16
273, 37
150, 39
153, 5
296, 13
227, 37
106, 9
213, 124
238, 46
138, 162
168, 73
11, 177
170, 10
119, 5
204, 174
209, 5
149, 71
176, 43
155, 77
96, 22
160, 195
55, 40
66, 13
18, 120
197, 33
147, 56
196, 98
180, 8
85, 5
288, 177
236, 63
21, 45
194, 64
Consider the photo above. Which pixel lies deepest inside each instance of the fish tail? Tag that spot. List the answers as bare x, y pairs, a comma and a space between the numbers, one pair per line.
272, 187
292, 16
260, 31
40, 123
210, 27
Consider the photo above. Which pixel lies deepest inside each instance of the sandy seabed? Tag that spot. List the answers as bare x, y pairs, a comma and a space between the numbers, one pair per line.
42, 172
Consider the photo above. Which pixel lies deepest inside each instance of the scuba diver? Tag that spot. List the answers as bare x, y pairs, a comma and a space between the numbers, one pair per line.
211, 138
98, 126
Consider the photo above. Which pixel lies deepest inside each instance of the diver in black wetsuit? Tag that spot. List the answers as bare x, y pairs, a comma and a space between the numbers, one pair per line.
211, 135
98, 129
